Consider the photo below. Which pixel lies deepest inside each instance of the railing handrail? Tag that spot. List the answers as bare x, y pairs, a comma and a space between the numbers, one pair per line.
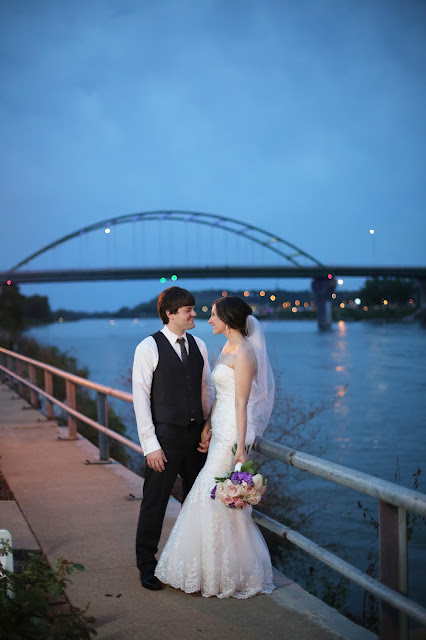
71, 377
391, 493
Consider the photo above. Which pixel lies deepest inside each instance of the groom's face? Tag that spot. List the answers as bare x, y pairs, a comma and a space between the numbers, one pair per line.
182, 320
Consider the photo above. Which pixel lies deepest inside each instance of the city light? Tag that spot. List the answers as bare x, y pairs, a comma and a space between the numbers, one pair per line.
174, 278
294, 309
357, 301
262, 293
342, 305
135, 321
162, 280
365, 308
385, 302
306, 304
272, 298
112, 323
246, 294
224, 294
340, 281
333, 295
205, 309
372, 232
297, 303
9, 282
107, 230
60, 319
329, 276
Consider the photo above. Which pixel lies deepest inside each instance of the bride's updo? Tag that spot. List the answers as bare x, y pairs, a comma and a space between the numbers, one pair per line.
233, 311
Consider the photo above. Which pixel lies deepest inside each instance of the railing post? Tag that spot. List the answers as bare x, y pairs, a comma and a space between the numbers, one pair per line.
102, 417
48, 387
393, 567
20, 372
10, 367
33, 380
72, 422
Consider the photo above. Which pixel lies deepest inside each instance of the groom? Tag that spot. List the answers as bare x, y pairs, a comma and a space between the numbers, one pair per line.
171, 398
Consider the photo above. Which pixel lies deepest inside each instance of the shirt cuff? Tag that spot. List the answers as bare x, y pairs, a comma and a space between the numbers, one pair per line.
150, 445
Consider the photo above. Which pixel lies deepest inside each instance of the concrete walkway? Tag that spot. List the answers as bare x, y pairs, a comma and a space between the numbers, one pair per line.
81, 512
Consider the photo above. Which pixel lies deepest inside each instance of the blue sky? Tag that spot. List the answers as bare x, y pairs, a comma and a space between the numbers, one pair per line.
304, 118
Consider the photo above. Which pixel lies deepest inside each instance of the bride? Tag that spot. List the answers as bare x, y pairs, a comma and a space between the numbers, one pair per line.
214, 549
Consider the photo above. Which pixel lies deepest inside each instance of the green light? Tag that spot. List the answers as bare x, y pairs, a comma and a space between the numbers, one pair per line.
162, 280
174, 278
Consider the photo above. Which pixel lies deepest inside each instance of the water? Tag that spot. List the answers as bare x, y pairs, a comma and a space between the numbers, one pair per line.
375, 426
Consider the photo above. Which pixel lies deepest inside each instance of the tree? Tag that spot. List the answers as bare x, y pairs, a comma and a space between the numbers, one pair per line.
394, 290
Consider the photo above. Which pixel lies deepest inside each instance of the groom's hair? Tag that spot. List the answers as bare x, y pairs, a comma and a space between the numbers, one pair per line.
172, 299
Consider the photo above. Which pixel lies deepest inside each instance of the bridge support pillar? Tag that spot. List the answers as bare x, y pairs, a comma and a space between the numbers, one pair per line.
323, 288
422, 301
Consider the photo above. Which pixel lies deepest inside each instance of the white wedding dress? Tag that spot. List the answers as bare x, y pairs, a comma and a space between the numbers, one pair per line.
214, 549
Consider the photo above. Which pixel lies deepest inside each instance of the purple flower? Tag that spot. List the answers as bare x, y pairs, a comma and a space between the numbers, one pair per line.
242, 476
213, 492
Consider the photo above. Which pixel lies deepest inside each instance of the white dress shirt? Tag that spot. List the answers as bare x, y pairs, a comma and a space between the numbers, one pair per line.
144, 364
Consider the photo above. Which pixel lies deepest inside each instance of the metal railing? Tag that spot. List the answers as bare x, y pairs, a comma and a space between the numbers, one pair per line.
394, 501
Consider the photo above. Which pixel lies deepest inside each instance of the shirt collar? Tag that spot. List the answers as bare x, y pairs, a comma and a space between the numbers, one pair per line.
172, 337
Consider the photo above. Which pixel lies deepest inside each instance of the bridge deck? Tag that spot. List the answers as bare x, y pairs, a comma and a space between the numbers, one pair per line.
81, 512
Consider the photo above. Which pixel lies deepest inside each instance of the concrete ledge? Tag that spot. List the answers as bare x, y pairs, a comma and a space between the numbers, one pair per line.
295, 598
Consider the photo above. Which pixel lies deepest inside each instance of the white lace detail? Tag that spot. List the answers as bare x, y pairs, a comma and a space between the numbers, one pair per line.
212, 549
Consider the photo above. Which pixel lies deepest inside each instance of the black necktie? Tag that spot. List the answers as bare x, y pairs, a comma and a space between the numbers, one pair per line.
184, 354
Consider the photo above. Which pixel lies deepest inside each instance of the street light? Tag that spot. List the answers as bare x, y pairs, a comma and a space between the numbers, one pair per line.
373, 247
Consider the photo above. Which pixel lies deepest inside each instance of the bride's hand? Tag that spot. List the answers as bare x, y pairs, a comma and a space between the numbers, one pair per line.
240, 456
206, 435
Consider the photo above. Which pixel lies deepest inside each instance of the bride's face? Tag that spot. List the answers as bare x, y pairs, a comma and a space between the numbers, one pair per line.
217, 324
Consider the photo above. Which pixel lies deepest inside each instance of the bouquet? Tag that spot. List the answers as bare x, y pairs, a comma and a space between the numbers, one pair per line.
240, 488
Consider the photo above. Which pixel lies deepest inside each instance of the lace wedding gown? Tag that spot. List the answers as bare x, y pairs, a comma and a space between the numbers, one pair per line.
214, 549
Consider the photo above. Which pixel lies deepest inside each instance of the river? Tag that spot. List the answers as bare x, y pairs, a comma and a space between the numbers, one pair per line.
363, 382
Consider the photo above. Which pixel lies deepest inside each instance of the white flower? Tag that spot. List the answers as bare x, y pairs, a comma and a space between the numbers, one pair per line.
258, 481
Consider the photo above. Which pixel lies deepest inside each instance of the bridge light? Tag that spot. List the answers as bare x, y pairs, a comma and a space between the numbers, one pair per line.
174, 278
107, 230
329, 276
162, 280
9, 282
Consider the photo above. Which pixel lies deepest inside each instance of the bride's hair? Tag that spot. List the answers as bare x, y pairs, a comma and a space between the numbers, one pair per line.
233, 311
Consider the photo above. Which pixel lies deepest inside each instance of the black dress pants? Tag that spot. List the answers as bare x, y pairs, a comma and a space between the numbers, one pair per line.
180, 448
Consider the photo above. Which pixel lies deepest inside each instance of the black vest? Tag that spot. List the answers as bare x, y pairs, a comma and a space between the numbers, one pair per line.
176, 389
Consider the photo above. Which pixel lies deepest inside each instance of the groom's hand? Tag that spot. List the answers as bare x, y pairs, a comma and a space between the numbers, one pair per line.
206, 435
156, 459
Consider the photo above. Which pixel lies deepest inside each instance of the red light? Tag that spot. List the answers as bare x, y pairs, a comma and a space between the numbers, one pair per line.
329, 276
9, 282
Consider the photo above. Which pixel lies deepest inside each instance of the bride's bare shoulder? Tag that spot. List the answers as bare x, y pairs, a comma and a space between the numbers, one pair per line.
245, 353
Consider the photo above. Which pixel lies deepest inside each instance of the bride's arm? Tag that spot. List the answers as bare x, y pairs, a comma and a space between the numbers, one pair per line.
244, 370
206, 433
